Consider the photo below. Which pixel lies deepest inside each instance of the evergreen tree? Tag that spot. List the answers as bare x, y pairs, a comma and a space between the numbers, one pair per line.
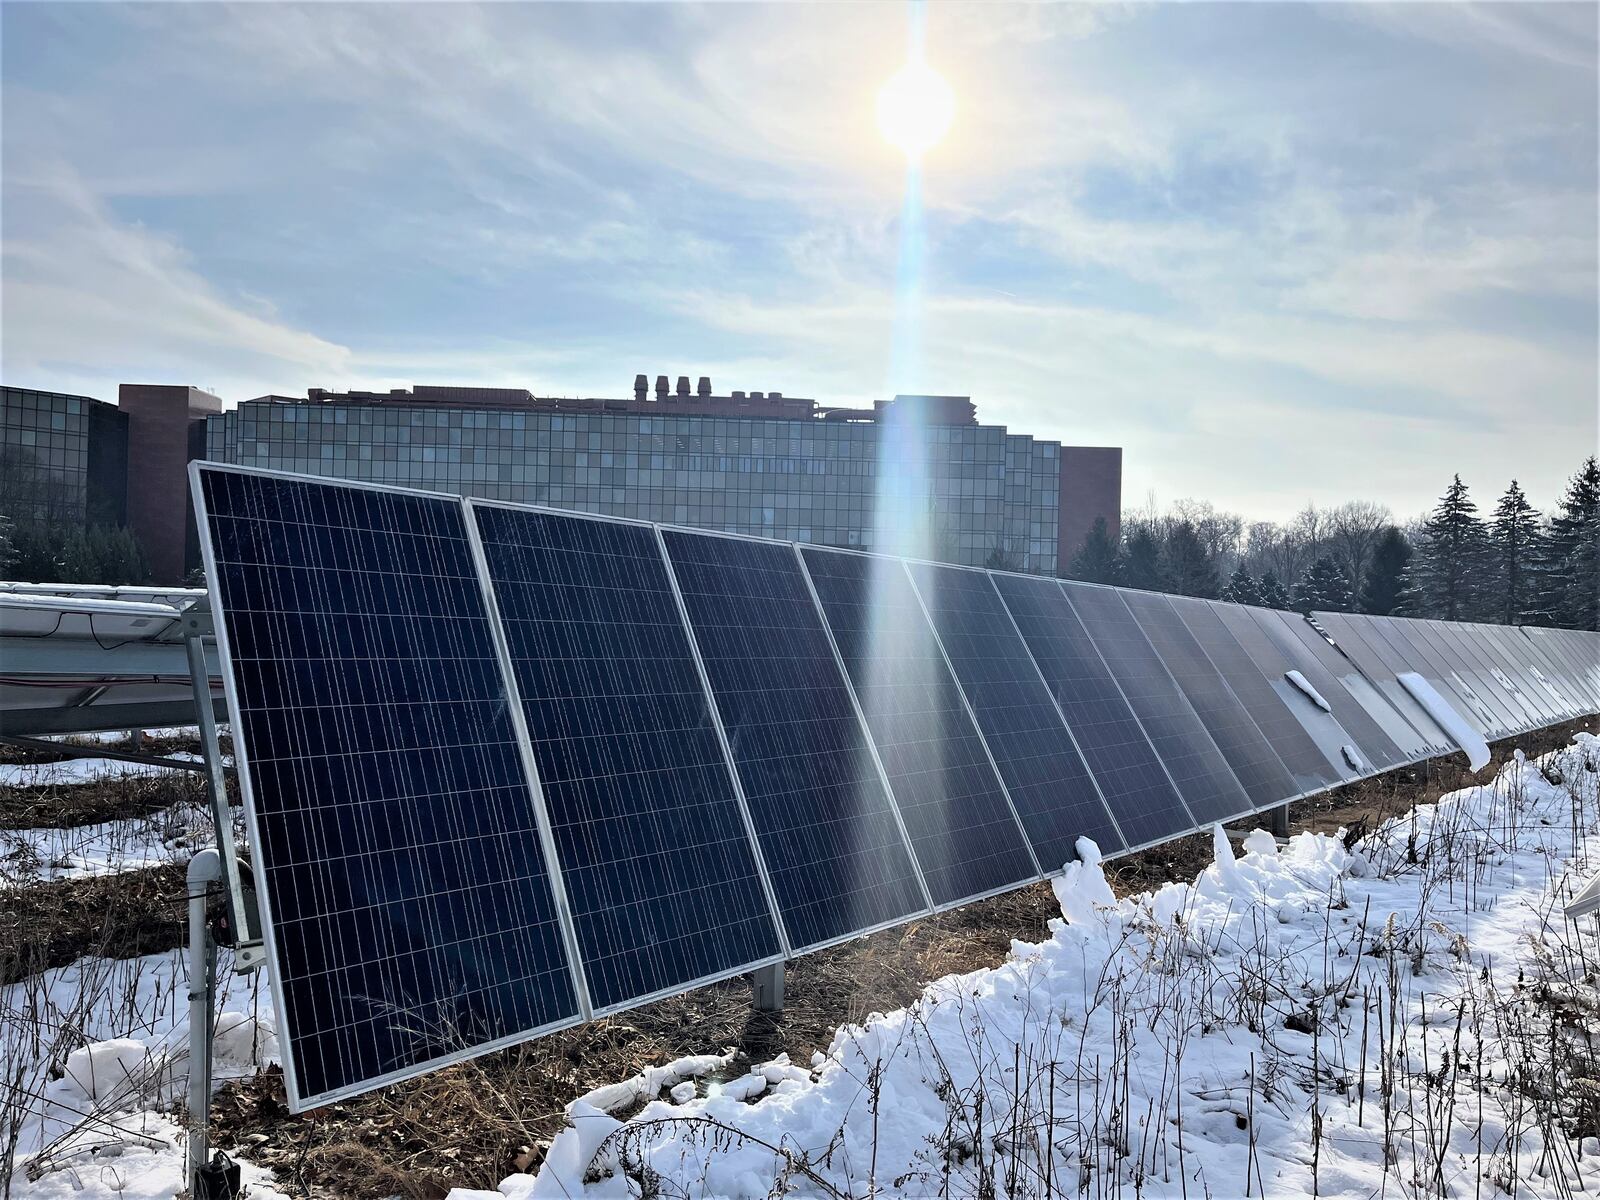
1189, 568
1569, 565
1323, 586
1242, 587
1513, 549
1273, 594
1383, 590
1445, 572
1141, 566
1097, 560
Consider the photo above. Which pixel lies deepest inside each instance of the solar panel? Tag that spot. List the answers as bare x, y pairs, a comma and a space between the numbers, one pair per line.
1559, 663
1049, 784
1542, 666
656, 856
1356, 637
1508, 663
408, 911
1203, 777
1256, 764
1137, 790
828, 830
1412, 650
1465, 673
1282, 642
1577, 649
967, 839
1310, 768
1474, 651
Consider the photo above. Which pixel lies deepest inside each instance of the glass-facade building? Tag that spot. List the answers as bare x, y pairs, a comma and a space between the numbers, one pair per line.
989, 495
63, 459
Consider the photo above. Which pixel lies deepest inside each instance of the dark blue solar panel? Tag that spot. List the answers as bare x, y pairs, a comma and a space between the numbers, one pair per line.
1356, 638
1256, 764
1141, 797
656, 859
1410, 652
963, 830
832, 842
1204, 779
1046, 776
1310, 768
410, 914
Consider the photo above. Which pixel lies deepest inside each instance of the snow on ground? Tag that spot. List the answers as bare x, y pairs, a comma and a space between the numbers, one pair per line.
1363, 1021
127, 844
96, 1053
1313, 1018
80, 770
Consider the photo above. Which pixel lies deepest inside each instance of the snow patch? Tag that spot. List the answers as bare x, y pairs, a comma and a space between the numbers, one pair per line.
1447, 718
1305, 685
1352, 756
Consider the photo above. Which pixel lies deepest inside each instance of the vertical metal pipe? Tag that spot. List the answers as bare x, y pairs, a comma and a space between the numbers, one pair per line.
205, 869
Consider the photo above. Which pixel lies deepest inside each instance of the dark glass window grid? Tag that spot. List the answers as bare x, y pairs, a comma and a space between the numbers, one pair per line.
967, 839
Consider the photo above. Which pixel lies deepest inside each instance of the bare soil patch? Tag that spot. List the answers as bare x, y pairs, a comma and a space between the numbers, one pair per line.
48, 925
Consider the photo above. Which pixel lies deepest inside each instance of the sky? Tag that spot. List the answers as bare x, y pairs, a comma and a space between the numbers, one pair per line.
1281, 253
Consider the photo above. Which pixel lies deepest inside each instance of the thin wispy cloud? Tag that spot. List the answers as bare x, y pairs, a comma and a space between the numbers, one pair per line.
1280, 253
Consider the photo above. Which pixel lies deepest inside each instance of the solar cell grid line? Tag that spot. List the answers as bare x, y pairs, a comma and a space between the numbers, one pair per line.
409, 915
1359, 709
1036, 753
1137, 790
1543, 669
1312, 766
657, 861
1413, 653
967, 837
1202, 775
1255, 763
1472, 675
833, 843
1376, 661
1511, 670
1476, 652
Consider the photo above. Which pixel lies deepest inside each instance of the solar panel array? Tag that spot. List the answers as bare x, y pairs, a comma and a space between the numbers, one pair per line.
508, 768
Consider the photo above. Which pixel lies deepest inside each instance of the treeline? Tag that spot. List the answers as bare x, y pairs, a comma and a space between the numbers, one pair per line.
1513, 565
65, 553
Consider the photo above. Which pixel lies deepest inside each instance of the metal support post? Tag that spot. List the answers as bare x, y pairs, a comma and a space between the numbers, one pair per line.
1278, 821
768, 982
205, 870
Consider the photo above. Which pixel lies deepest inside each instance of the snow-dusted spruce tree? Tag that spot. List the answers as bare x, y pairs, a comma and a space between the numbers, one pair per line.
1324, 587
1272, 592
1188, 566
1242, 587
1383, 589
1446, 571
1568, 589
1099, 559
1141, 563
1513, 548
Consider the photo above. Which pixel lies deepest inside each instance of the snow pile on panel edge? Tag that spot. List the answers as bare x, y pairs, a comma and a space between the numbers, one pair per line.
1447, 718
1232, 972
1305, 685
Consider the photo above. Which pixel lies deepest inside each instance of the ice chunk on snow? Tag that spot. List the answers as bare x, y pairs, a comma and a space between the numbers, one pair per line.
684, 1092
650, 1082
1259, 841
1447, 718
1304, 684
572, 1152
104, 1070
1353, 757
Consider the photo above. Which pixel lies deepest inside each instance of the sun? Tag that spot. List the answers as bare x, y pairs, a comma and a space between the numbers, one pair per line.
915, 109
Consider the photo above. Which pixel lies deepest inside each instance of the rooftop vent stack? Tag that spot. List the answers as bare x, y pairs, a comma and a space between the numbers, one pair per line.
774, 395
738, 395
758, 395
641, 386
661, 387
683, 385
703, 388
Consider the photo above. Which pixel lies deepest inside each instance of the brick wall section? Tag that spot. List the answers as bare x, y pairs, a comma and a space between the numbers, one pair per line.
158, 460
1091, 486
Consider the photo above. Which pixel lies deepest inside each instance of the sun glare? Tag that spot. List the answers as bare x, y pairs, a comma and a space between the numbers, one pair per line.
915, 109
